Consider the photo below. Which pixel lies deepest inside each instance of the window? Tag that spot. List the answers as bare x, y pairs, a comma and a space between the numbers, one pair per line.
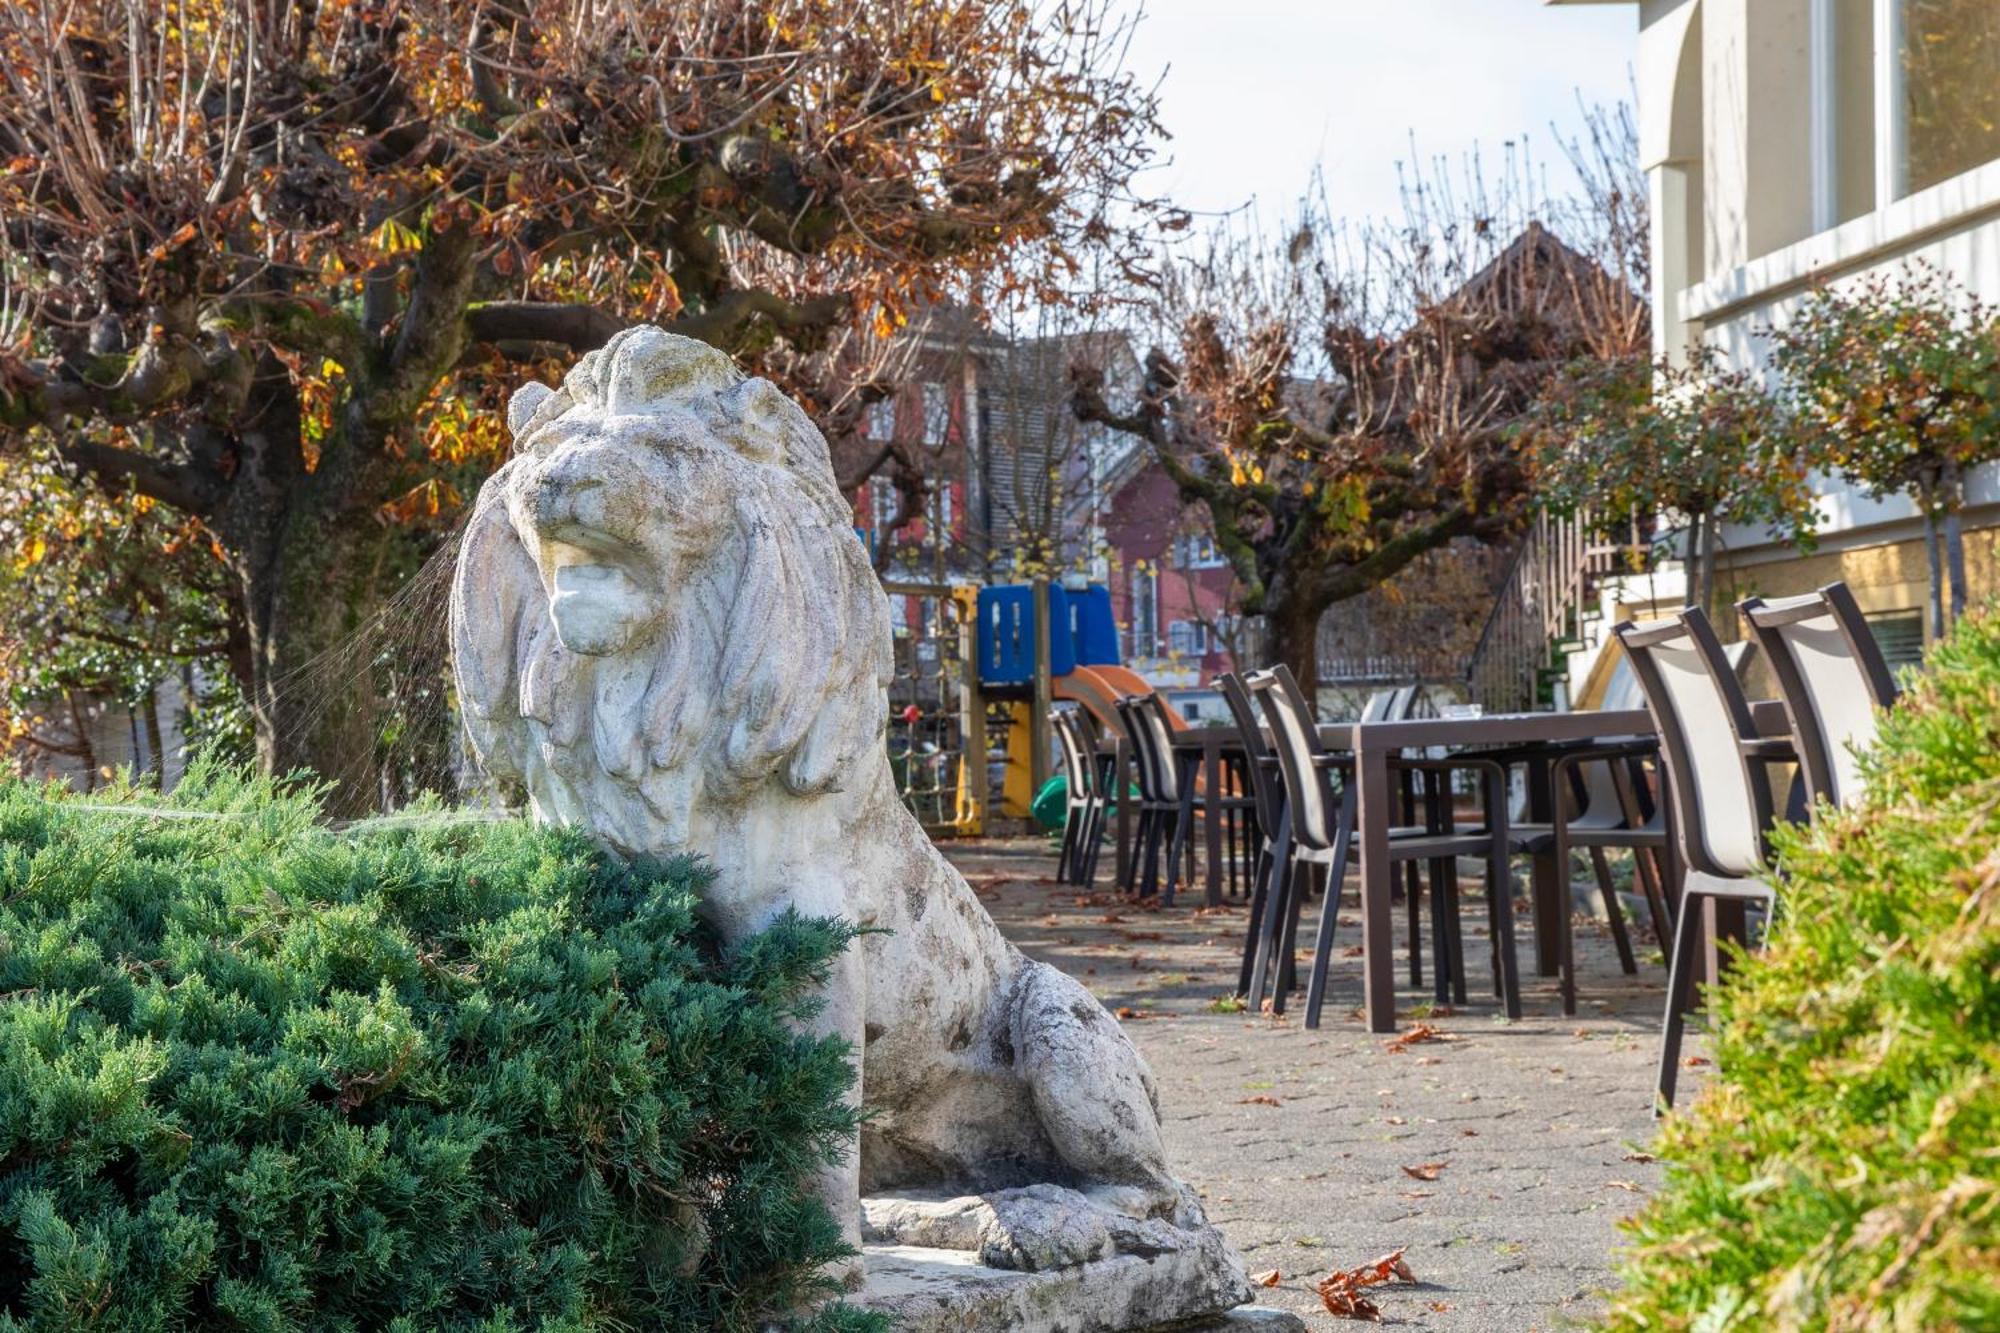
1950, 94
1189, 638
1900, 635
1145, 613
882, 421
1196, 551
881, 501
937, 414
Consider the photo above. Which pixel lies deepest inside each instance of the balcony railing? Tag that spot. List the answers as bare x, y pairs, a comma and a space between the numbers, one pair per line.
1543, 610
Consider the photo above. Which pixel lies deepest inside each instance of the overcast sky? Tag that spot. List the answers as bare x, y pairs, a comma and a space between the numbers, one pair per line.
1256, 92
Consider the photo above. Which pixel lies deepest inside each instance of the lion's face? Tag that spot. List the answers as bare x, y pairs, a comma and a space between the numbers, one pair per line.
614, 515
661, 602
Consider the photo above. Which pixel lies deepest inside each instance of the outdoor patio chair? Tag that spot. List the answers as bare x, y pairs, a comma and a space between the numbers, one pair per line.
1721, 799
1322, 829
1272, 879
1229, 800
1150, 735
1598, 808
1088, 779
1267, 793
1834, 681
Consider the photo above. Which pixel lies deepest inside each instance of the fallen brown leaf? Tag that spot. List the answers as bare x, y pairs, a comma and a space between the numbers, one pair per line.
1425, 1170
1126, 1012
1416, 1035
1270, 1279
1440, 1307
1640, 1157
1340, 1292
1694, 1061
1261, 1099
1625, 1185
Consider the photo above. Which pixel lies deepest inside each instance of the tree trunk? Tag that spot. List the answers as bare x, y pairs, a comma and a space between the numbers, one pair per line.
314, 609
156, 737
1292, 628
307, 565
1708, 526
1691, 564
1931, 556
1952, 496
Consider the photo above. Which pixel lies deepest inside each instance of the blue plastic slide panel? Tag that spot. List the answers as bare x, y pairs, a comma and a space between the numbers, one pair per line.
1007, 634
1092, 629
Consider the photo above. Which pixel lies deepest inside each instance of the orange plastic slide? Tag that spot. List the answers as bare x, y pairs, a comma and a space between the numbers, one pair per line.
1095, 687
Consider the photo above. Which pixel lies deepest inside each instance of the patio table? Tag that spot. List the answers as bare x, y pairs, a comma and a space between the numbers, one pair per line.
1373, 743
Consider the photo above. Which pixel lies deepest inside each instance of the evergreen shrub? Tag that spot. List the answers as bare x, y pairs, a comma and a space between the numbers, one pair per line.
1842, 1169
432, 1072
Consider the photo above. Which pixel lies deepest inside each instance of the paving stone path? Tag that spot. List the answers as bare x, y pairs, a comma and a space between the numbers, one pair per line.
1501, 1155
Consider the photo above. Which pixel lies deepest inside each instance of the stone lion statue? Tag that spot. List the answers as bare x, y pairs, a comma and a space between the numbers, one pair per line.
666, 630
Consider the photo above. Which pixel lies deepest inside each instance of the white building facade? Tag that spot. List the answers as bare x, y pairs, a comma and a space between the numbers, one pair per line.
1793, 141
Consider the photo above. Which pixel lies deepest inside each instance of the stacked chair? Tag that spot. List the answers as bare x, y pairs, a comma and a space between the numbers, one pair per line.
1087, 773
1161, 833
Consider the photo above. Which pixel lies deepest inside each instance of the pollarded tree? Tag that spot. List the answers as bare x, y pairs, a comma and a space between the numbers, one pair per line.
1896, 386
1340, 407
271, 265
1630, 440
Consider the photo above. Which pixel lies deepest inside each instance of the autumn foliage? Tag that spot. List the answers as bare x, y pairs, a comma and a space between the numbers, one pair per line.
273, 266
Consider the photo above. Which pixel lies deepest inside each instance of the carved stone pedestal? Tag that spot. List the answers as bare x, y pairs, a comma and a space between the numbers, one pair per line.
950, 1291
1140, 1276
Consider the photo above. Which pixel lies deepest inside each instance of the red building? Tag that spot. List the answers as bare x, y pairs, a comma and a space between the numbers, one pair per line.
1172, 592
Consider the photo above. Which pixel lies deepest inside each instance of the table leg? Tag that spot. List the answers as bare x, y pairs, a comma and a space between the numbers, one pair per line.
1551, 887
1378, 925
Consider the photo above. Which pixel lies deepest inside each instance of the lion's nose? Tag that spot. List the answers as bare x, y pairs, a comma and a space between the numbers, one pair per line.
562, 501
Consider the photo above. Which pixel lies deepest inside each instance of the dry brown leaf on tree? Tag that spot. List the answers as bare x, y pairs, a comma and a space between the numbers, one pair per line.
1340, 1291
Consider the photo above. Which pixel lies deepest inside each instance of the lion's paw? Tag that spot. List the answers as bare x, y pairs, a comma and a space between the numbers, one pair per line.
1042, 1227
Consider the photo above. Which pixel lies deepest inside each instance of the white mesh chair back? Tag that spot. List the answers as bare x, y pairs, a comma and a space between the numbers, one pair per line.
1834, 680
1699, 710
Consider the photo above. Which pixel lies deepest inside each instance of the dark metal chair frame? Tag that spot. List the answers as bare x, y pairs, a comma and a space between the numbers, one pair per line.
1159, 835
1321, 833
1273, 881
1087, 773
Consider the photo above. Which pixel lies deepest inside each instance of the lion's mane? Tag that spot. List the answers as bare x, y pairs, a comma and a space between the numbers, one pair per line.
772, 659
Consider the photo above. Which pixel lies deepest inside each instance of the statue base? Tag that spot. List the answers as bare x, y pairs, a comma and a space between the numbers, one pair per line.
1134, 1278
950, 1291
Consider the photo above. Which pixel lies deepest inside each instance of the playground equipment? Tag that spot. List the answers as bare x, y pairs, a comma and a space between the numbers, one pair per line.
1082, 667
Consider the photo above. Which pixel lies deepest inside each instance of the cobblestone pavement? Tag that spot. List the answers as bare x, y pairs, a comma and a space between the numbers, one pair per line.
1501, 1155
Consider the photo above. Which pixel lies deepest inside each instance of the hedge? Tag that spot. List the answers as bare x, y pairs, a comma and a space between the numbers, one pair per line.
1842, 1170
433, 1072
